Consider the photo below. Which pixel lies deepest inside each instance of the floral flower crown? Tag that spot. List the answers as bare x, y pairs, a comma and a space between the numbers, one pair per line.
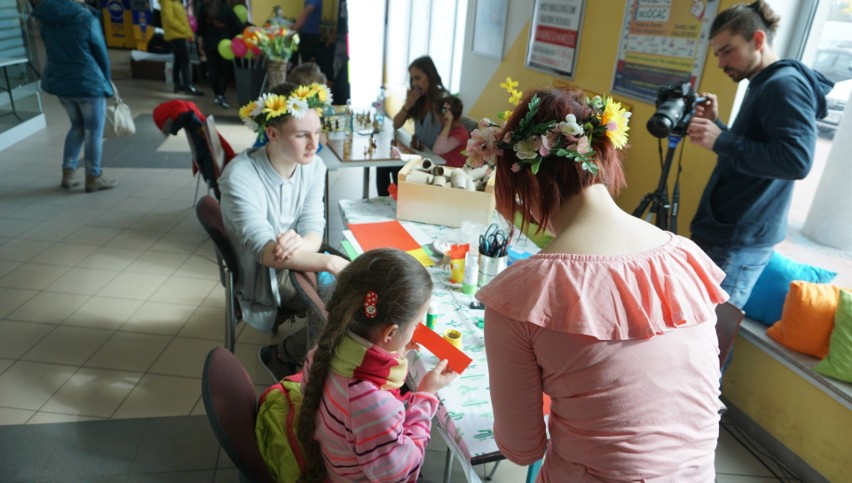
534, 141
259, 113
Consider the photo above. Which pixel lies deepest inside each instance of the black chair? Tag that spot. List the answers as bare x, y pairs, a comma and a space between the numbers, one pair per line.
728, 320
231, 406
209, 213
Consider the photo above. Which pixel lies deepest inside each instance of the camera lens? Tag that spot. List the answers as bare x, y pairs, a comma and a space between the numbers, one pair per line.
666, 118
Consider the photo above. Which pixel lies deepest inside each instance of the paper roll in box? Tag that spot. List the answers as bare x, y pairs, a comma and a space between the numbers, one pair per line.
438, 205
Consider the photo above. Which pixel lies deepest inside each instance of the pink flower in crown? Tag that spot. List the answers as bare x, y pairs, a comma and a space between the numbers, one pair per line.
491, 152
583, 145
547, 142
516, 167
475, 159
484, 123
507, 137
474, 146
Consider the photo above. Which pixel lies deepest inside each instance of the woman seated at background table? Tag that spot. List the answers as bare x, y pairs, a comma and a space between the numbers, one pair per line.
614, 319
422, 105
453, 137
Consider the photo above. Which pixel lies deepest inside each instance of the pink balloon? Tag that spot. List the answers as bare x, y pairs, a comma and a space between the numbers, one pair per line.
238, 47
255, 49
193, 24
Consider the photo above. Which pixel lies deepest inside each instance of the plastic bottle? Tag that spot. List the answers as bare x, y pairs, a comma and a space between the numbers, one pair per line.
379, 105
349, 128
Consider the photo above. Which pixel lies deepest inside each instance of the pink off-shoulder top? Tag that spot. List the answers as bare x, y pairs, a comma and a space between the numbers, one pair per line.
625, 346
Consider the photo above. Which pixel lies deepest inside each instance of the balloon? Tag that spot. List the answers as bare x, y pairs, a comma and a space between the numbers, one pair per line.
193, 24
255, 49
225, 49
249, 54
250, 32
238, 47
242, 12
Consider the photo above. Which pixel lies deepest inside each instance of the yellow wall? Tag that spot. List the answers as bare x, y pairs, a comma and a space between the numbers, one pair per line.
261, 9
806, 420
594, 71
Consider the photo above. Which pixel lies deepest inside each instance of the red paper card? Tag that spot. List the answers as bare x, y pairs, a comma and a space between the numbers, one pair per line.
434, 343
383, 234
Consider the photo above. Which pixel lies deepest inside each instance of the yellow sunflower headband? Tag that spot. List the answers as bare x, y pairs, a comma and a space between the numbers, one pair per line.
534, 141
259, 113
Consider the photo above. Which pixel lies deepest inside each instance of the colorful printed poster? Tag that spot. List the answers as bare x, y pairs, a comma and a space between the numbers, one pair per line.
555, 36
663, 42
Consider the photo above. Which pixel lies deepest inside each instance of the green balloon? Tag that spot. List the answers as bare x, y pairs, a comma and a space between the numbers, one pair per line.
242, 12
225, 49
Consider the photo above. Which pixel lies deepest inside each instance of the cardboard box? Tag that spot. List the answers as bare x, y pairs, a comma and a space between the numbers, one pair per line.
438, 205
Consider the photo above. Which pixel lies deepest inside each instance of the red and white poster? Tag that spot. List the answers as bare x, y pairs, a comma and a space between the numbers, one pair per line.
555, 36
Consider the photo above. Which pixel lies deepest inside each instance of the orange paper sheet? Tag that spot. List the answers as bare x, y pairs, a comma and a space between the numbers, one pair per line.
383, 234
434, 343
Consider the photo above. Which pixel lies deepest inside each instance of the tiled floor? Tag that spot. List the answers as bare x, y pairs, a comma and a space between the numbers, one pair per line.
109, 303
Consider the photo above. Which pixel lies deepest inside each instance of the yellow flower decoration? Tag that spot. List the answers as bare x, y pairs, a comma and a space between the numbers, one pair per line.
275, 106
509, 85
245, 111
321, 91
515, 99
304, 92
615, 119
505, 115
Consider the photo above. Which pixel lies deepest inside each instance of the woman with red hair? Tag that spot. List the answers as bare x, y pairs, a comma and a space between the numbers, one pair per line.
614, 320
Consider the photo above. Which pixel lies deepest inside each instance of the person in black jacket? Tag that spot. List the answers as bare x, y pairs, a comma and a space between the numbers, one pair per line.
217, 21
743, 211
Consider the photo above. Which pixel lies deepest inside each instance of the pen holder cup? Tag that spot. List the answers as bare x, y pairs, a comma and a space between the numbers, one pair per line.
490, 267
454, 337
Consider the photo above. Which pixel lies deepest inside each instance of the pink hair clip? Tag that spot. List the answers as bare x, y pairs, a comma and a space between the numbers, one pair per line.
371, 300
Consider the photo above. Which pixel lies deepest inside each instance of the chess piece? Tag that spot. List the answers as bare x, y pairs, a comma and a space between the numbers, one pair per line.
337, 124
368, 121
376, 125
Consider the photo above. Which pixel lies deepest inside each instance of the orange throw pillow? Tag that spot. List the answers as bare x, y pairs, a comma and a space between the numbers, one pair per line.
807, 319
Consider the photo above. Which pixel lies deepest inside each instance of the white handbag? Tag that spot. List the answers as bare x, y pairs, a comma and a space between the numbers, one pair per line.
119, 119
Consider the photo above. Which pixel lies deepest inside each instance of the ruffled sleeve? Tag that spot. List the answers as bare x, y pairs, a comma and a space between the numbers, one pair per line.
611, 297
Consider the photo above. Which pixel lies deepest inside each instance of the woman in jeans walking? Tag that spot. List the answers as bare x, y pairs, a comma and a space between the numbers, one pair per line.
77, 71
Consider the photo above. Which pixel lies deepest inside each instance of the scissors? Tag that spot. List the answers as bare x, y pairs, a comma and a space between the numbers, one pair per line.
494, 243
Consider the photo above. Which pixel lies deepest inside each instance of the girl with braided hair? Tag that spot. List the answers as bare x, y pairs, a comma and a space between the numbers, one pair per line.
354, 424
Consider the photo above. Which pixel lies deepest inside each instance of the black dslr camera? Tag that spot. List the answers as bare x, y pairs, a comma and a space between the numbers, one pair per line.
675, 108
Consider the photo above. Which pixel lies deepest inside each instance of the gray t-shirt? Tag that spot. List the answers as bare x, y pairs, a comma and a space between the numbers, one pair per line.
257, 205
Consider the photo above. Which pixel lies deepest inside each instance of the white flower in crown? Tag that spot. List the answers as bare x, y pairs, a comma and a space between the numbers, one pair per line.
298, 108
570, 126
528, 148
251, 124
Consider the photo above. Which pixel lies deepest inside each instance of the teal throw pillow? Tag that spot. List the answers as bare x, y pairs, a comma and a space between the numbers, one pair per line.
838, 362
767, 298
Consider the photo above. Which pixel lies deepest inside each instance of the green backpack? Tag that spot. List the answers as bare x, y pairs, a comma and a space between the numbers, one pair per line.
277, 422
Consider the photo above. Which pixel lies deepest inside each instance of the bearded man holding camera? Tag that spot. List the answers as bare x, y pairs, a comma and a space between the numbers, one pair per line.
743, 211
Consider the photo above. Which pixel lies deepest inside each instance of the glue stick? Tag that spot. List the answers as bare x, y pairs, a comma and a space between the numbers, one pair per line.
431, 316
471, 272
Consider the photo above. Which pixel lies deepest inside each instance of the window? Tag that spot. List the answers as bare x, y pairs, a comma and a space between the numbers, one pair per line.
416, 28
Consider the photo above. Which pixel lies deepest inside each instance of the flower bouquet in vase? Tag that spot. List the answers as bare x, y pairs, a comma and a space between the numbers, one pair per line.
277, 44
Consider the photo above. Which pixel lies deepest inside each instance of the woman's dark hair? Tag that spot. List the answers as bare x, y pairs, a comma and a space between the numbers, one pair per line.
403, 287
455, 105
537, 197
436, 86
746, 19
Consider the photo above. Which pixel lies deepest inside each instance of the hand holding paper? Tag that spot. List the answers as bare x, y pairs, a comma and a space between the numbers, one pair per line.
434, 343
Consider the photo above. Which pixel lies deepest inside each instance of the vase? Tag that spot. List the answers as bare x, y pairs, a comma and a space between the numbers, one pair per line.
276, 73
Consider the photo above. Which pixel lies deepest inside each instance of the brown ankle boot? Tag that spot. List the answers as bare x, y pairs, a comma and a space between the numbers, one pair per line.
97, 183
70, 178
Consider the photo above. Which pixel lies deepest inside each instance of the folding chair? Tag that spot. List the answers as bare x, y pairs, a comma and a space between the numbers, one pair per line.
231, 406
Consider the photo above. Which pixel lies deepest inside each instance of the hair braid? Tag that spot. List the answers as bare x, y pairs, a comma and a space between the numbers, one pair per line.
330, 338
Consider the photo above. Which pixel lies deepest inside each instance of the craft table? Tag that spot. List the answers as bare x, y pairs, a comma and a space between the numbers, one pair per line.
465, 418
342, 152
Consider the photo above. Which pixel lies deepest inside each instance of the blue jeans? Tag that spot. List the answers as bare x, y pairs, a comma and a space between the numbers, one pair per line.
87, 115
742, 267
